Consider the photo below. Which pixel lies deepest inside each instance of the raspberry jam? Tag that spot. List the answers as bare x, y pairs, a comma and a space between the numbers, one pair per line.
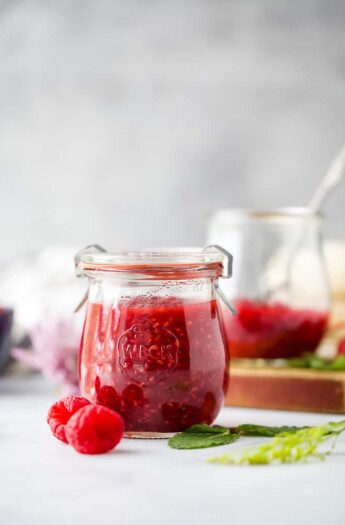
160, 362
153, 348
269, 331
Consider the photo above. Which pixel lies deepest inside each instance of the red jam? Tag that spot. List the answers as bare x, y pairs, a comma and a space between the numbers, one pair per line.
162, 365
270, 331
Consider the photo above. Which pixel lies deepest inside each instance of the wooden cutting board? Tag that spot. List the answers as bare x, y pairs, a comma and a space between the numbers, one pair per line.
286, 388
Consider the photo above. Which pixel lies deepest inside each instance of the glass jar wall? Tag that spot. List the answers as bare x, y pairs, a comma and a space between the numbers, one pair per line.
153, 347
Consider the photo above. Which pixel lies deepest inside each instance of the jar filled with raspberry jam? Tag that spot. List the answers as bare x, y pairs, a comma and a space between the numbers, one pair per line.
153, 347
280, 290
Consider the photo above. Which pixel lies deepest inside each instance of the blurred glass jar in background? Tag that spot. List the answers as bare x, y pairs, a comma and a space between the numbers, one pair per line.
279, 287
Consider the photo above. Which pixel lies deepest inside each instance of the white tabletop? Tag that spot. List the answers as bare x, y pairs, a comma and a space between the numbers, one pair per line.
43, 481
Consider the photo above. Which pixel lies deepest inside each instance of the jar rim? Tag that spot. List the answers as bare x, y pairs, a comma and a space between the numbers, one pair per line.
168, 261
274, 214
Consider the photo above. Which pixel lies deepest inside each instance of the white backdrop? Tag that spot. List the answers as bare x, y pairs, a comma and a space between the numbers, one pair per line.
126, 122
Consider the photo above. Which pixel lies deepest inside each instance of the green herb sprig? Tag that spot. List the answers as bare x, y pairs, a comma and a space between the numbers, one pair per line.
285, 447
204, 436
290, 444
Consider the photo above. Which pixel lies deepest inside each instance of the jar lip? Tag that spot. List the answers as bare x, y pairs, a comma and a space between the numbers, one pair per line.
274, 214
166, 260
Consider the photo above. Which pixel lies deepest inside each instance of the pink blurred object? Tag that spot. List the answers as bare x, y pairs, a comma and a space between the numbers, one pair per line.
42, 290
56, 345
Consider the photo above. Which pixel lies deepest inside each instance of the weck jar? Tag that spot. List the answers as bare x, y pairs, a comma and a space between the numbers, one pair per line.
153, 346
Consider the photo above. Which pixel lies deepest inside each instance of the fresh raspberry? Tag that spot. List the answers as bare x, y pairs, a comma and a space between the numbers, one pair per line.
60, 413
94, 429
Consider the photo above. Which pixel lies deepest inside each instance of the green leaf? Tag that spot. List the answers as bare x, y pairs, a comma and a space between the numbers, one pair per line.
202, 436
264, 431
318, 363
287, 447
338, 363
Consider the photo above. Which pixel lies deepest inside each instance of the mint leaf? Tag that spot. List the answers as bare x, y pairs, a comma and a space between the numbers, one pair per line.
318, 363
285, 447
264, 431
202, 436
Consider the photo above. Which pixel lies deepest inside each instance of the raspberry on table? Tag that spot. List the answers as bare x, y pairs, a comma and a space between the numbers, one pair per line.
60, 413
94, 429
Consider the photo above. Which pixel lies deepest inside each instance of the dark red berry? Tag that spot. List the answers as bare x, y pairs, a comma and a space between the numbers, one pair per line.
94, 429
133, 396
180, 415
60, 413
108, 397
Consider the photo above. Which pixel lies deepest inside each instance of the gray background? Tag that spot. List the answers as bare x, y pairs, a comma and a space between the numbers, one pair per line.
127, 122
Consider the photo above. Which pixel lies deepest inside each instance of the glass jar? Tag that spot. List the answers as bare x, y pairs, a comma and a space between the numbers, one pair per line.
279, 290
152, 347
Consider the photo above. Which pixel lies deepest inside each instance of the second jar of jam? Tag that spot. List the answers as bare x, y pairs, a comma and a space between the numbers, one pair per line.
280, 289
153, 348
